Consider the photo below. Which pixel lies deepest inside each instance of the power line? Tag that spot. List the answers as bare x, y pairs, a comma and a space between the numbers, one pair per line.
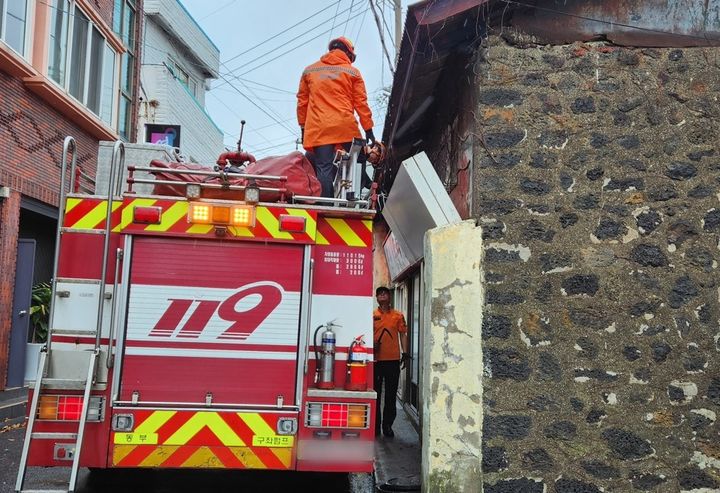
333, 24
362, 22
217, 10
234, 113
382, 36
259, 107
289, 41
352, 3
283, 31
285, 52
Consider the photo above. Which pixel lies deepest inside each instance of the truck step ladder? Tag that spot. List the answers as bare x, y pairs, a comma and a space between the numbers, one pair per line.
39, 381
48, 375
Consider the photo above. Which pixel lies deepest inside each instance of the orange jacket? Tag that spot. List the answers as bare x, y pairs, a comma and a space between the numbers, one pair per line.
387, 329
331, 91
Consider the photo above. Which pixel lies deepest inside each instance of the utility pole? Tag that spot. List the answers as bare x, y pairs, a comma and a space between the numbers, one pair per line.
398, 28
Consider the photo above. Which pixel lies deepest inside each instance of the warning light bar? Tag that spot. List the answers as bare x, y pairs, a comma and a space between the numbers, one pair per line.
209, 213
69, 408
332, 415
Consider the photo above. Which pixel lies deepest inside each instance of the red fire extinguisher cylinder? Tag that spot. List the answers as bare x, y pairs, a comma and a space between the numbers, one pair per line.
357, 366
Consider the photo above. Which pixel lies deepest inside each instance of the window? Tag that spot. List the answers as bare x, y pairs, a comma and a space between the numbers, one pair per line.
81, 60
13, 23
183, 76
124, 13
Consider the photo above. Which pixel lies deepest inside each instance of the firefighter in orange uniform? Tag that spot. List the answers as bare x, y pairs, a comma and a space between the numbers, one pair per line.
331, 92
390, 336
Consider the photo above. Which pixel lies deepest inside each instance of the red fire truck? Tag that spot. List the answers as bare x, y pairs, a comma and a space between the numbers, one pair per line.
189, 332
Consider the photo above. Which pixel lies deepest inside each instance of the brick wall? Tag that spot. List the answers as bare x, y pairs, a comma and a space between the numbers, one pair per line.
596, 177
31, 141
602, 187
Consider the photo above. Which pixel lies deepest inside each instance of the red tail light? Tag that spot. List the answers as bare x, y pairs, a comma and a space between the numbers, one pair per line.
147, 215
69, 408
337, 415
292, 224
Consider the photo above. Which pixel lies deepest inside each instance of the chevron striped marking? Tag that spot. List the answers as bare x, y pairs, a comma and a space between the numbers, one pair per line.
203, 439
127, 212
96, 216
91, 213
199, 421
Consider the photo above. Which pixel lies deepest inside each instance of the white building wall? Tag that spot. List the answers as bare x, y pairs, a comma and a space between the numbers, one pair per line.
185, 29
168, 101
160, 49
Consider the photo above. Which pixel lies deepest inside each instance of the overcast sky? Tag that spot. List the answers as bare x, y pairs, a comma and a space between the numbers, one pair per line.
264, 47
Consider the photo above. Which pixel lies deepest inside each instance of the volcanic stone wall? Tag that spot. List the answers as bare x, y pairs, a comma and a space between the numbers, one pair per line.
596, 178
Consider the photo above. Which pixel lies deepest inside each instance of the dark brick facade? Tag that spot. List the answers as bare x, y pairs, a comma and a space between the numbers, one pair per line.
596, 178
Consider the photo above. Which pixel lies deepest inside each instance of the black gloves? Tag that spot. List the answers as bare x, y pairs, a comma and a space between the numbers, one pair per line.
369, 136
302, 134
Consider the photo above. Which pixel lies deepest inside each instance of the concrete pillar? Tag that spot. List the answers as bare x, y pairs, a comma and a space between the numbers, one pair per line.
452, 360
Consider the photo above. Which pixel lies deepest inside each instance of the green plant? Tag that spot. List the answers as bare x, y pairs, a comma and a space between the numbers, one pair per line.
40, 311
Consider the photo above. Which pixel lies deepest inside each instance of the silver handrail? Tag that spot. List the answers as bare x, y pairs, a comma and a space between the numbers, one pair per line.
117, 164
216, 186
69, 146
208, 173
111, 333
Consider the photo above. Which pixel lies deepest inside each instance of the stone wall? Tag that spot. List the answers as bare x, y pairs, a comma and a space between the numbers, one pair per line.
596, 178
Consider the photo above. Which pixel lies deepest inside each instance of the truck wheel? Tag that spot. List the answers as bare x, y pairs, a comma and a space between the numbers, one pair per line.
361, 482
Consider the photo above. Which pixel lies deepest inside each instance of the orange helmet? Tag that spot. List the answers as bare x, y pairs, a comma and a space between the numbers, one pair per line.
344, 44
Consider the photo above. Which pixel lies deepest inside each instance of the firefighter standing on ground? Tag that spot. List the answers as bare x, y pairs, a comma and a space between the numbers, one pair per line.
389, 328
331, 92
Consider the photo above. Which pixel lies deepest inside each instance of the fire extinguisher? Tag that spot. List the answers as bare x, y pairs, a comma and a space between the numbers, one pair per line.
325, 359
357, 365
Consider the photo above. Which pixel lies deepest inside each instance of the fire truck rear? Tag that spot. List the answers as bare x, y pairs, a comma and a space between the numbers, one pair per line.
189, 332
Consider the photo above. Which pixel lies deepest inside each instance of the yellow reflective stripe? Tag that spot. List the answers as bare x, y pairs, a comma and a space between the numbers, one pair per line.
320, 239
368, 224
127, 213
203, 458
153, 422
200, 228
241, 231
96, 215
170, 217
284, 455
248, 458
310, 224
70, 204
136, 438
345, 231
271, 224
258, 425
120, 452
214, 423
158, 456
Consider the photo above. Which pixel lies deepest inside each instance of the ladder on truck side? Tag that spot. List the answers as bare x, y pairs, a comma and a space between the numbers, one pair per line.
85, 377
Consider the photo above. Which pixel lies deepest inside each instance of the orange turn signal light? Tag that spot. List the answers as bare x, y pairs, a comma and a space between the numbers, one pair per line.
221, 214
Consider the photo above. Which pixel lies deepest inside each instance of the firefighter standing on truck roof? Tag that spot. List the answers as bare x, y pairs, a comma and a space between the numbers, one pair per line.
389, 328
331, 92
